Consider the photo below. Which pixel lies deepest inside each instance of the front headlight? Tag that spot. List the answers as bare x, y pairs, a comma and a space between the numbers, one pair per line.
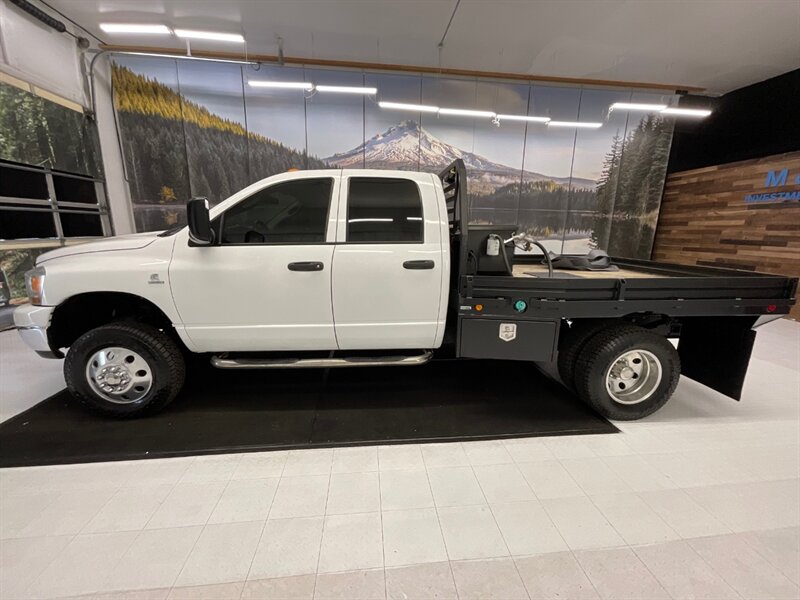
34, 284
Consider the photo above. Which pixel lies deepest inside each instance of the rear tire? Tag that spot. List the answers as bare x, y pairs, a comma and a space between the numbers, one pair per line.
627, 372
124, 369
572, 343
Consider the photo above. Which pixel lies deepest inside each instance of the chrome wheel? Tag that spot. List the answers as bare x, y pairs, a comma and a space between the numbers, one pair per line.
119, 375
633, 377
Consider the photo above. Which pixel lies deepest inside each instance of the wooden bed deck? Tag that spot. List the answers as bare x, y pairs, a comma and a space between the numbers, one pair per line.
524, 270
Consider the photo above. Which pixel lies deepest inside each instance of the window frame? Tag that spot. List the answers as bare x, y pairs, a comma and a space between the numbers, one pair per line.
56, 207
383, 243
219, 220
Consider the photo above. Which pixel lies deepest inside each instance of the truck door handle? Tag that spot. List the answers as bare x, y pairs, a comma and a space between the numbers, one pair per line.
418, 264
306, 266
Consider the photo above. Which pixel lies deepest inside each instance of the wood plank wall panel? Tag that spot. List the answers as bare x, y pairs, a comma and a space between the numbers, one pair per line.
705, 220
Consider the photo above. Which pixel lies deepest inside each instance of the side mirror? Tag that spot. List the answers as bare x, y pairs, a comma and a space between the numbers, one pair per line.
200, 232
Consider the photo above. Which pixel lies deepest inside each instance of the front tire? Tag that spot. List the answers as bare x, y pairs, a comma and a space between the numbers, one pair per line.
124, 369
627, 372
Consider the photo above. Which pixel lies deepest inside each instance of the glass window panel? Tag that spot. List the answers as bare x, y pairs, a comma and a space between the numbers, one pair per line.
276, 122
592, 184
72, 189
335, 121
150, 118
392, 136
447, 137
545, 226
26, 224
289, 212
40, 132
156, 218
214, 125
641, 172
581, 229
548, 162
494, 180
81, 224
21, 183
383, 211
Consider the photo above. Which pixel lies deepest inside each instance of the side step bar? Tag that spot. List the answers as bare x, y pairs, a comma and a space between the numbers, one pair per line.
320, 363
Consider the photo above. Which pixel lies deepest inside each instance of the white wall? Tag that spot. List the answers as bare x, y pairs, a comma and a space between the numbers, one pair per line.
117, 187
52, 61
40, 55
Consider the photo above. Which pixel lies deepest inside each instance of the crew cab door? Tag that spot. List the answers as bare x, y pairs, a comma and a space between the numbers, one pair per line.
390, 263
265, 284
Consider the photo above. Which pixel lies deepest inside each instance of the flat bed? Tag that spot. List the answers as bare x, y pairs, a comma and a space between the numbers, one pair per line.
713, 311
638, 286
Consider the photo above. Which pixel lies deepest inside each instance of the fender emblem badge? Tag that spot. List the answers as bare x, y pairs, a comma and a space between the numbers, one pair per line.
508, 331
154, 279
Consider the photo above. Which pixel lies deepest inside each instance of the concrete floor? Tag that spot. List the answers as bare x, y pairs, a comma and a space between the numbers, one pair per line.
701, 500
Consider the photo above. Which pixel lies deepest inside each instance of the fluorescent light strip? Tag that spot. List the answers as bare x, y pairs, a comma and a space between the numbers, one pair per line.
343, 89
686, 112
289, 85
209, 35
580, 124
524, 118
377, 220
134, 28
415, 107
460, 112
637, 106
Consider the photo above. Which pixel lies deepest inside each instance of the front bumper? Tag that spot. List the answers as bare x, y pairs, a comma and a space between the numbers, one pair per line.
32, 322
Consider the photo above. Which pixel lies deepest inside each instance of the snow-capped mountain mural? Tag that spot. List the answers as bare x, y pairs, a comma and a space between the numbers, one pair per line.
411, 147
184, 136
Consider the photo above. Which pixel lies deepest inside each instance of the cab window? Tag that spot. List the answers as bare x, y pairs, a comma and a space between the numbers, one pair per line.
292, 212
382, 210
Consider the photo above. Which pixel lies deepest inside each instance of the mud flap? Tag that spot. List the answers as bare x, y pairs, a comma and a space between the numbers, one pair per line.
715, 351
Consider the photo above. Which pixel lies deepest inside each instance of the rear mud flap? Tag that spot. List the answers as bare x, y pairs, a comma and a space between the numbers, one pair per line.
715, 351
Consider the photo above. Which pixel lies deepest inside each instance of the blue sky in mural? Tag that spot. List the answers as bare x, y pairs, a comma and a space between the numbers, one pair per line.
278, 114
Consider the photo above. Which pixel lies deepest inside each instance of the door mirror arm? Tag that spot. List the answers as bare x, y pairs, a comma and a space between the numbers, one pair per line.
200, 232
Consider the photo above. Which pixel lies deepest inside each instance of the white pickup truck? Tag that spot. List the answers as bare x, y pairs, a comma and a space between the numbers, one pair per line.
343, 268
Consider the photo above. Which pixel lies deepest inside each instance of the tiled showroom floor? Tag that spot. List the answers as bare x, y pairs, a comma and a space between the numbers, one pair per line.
702, 500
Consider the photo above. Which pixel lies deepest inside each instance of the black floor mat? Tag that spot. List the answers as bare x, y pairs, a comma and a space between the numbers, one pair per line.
239, 411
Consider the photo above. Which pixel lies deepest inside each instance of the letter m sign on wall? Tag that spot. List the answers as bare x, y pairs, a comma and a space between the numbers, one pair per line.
776, 178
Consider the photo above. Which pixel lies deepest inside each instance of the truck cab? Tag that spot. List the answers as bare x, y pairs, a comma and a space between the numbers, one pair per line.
317, 260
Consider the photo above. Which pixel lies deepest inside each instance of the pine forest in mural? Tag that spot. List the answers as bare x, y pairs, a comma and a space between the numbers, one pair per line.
37, 132
199, 130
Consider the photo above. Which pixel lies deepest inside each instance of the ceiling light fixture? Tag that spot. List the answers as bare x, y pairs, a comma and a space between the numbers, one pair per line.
686, 112
580, 124
134, 28
289, 85
531, 119
637, 106
415, 107
193, 34
343, 89
460, 112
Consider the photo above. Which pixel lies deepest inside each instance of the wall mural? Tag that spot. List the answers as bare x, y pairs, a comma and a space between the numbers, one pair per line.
200, 128
35, 131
